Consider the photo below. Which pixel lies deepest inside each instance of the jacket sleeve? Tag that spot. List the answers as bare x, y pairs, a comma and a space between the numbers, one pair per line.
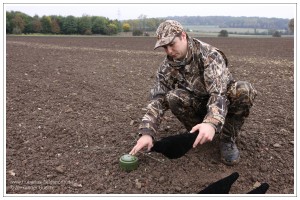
157, 106
216, 77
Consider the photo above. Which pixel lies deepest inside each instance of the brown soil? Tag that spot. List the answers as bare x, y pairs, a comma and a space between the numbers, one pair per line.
73, 105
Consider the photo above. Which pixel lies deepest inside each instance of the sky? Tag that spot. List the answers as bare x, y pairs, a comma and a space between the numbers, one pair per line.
133, 11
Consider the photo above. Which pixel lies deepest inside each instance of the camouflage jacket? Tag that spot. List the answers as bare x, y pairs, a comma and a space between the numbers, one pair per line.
203, 72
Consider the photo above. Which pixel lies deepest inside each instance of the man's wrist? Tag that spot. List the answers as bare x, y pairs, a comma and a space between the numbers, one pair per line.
213, 125
145, 131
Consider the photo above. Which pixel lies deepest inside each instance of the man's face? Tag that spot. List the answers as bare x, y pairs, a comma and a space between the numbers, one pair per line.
177, 49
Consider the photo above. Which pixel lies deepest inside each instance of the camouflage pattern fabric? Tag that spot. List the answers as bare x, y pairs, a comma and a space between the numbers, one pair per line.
166, 32
199, 89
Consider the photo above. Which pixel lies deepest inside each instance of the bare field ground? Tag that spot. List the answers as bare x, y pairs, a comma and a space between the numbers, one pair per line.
73, 105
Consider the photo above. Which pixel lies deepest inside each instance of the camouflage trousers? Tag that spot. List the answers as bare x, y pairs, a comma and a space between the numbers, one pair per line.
190, 110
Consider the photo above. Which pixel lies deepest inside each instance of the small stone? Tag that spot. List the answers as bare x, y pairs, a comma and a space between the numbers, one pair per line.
77, 185
161, 179
132, 122
138, 184
177, 189
256, 184
285, 191
284, 130
12, 173
291, 142
50, 176
281, 165
263, 168
106, 119
69, 110
277, 145
60, 168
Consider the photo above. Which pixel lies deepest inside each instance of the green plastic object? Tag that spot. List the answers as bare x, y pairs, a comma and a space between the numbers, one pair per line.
128, 162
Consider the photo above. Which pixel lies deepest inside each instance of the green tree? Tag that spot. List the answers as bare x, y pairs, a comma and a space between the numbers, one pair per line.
55, 26
28, 23
126, 27
46, 24
9, 22
59, 20
112, 29
69, 25
18, 24
118, 25
276, 34
36, 24
223, 33
137, 32
148, 24
99, 25
291, 25
85, 25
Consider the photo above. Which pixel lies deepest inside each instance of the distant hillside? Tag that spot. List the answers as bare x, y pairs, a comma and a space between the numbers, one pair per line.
233, 22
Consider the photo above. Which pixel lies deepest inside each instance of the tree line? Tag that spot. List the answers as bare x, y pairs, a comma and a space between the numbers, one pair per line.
234, 22
18, 23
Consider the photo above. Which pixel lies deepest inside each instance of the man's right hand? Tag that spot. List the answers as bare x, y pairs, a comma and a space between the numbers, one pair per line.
144, 141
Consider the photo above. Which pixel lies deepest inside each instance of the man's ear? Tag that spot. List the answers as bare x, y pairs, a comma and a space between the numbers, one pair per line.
183, 35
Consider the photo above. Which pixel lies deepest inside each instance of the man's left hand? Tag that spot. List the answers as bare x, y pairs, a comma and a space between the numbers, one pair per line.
206, 133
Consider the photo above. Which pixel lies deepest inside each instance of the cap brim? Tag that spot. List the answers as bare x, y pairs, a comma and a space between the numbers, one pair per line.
164, 41
157, 45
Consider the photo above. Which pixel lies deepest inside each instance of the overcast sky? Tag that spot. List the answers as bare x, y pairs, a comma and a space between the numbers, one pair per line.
133, 11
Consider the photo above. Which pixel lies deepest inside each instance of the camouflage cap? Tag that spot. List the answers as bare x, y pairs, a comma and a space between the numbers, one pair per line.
166, 32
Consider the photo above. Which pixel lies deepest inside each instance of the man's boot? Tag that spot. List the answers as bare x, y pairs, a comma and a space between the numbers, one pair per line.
230, 154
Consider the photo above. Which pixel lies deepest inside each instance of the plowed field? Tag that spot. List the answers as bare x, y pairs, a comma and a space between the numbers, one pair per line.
73, 105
